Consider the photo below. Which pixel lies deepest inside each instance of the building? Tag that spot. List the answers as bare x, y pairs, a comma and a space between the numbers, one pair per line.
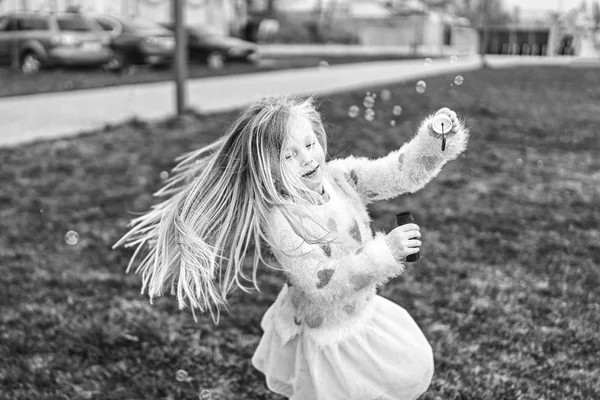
517, 40
411, 23
527, 34
226, 16
576, 32
539, 32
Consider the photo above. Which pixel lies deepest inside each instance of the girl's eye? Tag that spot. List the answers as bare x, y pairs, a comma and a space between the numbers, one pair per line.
289, 156
308, 146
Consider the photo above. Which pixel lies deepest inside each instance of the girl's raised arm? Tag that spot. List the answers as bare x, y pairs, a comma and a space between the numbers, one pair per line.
327, 272
407, 169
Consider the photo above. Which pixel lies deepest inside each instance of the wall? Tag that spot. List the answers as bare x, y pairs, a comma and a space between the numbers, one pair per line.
390, 31
423, 30
464, 40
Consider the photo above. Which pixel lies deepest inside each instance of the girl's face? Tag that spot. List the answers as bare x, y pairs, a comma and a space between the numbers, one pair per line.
303, 155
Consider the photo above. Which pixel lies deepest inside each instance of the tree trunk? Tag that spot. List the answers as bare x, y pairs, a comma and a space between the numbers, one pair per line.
483, 46
484, 9
271, 8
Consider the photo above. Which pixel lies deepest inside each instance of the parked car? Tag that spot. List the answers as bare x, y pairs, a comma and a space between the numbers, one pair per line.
208, 46
136, 41
32, 40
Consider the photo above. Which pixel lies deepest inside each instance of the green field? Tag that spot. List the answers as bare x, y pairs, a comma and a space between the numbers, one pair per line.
507, 289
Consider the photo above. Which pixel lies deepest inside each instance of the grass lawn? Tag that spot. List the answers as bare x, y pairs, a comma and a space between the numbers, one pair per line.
507, 289
15, 83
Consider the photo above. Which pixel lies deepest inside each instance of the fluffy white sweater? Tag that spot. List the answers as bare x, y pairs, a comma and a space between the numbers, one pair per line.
331, 285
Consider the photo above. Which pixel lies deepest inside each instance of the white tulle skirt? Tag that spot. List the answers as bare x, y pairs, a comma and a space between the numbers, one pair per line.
389, 360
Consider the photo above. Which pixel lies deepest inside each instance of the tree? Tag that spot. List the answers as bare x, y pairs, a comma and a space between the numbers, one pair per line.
264, 8
482, 14
596, 14
493, 11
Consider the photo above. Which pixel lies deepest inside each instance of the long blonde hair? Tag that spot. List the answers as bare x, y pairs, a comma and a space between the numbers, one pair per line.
217, 207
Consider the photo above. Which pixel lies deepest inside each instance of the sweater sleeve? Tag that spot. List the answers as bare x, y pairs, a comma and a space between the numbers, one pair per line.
325, 276
405, 170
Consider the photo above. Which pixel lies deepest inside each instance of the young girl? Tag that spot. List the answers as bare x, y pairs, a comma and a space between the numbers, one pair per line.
266, 188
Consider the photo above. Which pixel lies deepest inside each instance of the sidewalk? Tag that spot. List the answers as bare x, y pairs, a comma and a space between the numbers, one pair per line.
47, 116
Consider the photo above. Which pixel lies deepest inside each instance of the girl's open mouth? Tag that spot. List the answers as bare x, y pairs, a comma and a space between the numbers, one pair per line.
311, 173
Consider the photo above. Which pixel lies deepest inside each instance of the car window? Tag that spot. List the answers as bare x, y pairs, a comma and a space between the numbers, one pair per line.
32, 24
3, 24
140, 24
10, 24
205, 30
74, 23
107, 25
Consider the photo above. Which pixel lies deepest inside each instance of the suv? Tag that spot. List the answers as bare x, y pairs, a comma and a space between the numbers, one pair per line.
31, 40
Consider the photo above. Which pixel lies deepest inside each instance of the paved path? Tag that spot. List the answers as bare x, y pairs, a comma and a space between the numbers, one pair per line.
46, 116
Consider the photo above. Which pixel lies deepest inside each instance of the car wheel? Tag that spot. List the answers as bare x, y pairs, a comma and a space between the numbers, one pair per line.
254, 59
215, 60
30, 63
118, 62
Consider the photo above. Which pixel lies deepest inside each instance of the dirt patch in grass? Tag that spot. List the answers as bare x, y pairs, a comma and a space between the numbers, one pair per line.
507, 288
60, 80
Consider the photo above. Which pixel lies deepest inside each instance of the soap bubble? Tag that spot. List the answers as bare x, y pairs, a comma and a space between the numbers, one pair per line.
72, 237
519, 162
205, 395
182, 376
353, 111
540, 163
393, 122
428, 62
386, 95
421, 87
453, 59
369, 114
368, 102
397, 110
164, 175
459, 80
323, 64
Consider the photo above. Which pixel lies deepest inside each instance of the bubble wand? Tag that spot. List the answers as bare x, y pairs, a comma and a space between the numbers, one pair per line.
439, 123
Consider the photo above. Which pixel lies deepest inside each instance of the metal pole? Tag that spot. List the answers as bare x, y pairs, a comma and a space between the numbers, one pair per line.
180, 55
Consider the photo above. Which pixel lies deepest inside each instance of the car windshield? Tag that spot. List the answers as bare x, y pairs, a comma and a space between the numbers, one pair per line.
75, 23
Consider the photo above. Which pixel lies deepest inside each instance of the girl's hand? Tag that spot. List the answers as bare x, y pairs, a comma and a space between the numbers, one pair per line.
450, 131
403, 240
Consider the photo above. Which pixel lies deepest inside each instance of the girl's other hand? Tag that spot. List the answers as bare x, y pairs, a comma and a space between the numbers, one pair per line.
404, 240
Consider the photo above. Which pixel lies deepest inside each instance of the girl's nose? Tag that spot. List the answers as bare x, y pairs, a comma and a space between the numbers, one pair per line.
306, 157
